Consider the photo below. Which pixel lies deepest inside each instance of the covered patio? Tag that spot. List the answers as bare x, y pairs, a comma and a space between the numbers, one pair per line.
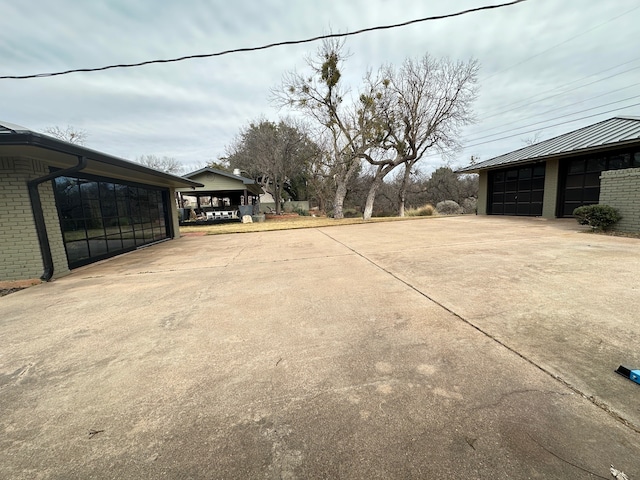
223, 197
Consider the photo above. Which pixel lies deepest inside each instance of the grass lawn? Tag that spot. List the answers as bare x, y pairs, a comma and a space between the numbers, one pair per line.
285, 223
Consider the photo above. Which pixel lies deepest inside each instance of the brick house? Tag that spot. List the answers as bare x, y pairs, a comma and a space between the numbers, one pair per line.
63, 205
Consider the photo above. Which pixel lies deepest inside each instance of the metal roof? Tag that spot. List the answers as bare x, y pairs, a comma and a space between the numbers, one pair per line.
17, 140
611, 132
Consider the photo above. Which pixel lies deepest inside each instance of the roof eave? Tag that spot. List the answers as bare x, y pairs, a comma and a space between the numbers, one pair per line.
561, 155
33, 139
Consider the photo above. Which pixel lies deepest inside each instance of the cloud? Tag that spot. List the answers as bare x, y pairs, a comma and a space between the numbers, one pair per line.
191, 110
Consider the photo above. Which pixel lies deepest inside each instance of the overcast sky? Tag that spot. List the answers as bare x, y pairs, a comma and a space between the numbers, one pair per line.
192, 110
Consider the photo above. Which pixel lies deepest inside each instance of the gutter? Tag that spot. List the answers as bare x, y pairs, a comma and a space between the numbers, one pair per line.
38, 214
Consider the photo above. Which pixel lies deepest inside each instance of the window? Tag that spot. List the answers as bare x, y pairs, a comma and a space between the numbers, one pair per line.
101, 218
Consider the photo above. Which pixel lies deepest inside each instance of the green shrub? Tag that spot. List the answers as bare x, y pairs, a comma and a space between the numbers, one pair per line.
598, 217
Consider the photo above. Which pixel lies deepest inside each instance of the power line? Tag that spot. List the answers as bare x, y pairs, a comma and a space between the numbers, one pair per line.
555, 118
464, 147
551, 126
263, 47
565, 85
562, 43
563, 92
562, 107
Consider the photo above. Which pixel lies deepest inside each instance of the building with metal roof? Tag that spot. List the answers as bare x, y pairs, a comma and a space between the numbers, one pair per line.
553, 177
63, 205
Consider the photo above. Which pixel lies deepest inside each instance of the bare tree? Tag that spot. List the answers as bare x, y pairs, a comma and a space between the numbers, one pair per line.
345, 128
69, 134
164, 164
535, 138
422, 105
273, 154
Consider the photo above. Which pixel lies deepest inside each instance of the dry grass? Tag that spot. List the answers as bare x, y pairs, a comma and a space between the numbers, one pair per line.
281, 224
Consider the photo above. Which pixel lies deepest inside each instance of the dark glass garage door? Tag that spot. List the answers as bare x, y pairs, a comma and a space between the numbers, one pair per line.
100, 218
517, 191
580, 176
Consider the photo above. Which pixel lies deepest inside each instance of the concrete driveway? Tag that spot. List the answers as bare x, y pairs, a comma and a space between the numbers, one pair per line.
462, 347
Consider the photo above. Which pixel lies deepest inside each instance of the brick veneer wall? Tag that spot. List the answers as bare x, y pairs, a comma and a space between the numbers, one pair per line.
20, 256
620, 189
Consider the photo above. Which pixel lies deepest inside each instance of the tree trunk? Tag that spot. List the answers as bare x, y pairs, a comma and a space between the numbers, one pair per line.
338, 202
373, 190
402, 194
342, 182
277, 197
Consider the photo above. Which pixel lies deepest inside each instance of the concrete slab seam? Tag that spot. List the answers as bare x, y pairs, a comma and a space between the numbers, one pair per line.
602, 405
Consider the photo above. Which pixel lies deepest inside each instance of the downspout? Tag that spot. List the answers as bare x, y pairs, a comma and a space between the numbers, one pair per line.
38, 214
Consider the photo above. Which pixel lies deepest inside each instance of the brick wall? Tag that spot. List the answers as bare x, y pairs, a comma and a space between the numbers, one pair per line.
20, 256
620, 189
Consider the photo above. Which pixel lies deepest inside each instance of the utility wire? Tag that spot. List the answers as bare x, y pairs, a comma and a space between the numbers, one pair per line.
562, 43
465, 146
557, 88
555, 118
264, 47
561, 108
563, 92
551, 126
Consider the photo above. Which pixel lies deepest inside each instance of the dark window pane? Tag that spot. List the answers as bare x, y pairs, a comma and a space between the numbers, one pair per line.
98, 246
536, 209
524, 197
73, 230
524, 173
596, 164
538, 171
591, 195
512, 174
573, 194
636, 160
524, 185
510, 186
114, 243
77, 251
125, 224
537, 183
576, 166
592, 180
575, 181
108, 199
128, 243
498, 177
88, 189
537, 196
617, 162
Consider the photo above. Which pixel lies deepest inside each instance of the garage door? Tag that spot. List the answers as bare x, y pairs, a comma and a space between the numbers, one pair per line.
517, 191
580, 178
100, 218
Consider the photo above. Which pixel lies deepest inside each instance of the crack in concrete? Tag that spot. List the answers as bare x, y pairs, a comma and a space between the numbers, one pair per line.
595, 401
